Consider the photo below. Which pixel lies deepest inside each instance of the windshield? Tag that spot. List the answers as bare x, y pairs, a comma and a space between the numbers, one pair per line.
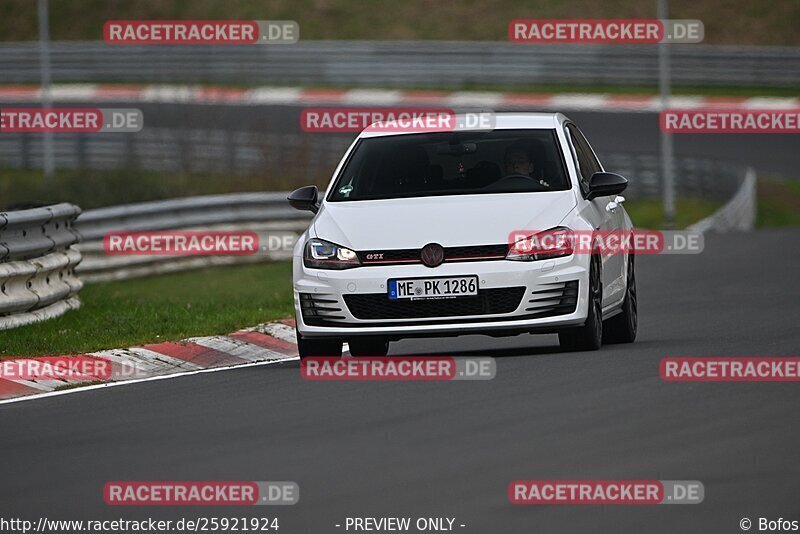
452, 163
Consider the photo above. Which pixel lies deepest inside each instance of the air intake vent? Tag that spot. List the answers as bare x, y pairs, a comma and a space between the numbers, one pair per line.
557, 298
316, 308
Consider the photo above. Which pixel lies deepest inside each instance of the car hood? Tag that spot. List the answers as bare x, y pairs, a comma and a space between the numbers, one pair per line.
450, 221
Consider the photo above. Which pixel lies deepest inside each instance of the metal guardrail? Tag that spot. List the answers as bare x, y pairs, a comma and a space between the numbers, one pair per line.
267, 214
97, 266
186, 212
739, 213
37, 264
35, 232
405, 64
694, 177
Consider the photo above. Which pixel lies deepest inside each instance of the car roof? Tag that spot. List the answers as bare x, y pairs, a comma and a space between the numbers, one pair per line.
502, 121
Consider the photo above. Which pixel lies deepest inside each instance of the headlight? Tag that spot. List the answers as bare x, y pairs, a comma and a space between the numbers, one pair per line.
320, 254
552, 243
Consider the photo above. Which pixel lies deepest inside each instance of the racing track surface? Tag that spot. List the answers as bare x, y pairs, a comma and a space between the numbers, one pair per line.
450, 449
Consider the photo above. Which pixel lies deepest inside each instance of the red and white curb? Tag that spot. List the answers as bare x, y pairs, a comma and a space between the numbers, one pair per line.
99, 93
260, 345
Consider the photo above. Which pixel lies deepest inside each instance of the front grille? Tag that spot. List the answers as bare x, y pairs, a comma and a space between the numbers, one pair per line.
487, 302
475, 252
317, 308
412, 255
556, 298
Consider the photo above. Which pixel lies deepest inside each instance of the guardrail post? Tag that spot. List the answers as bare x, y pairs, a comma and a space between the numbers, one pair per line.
44, 63
668, 181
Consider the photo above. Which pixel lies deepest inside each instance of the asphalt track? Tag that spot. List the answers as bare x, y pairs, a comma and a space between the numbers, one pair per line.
450, 449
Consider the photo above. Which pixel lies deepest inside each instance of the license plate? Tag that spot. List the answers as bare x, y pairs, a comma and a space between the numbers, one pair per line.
433, 288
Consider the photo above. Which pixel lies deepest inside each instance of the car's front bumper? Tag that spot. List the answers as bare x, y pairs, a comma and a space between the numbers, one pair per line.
536, 277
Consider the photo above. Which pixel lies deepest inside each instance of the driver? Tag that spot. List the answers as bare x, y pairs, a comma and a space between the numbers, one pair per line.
519, 160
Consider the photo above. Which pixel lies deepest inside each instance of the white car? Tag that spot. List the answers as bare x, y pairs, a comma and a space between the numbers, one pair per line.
420, 235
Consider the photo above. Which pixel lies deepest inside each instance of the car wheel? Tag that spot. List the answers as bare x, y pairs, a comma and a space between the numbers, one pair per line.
590, 335
318, 347
368, 346
622, 328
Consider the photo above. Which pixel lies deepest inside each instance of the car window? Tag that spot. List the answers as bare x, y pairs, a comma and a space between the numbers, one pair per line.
587, 161
452, 163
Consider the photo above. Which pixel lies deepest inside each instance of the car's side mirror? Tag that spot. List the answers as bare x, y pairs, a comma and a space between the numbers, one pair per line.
604, 184
305, 198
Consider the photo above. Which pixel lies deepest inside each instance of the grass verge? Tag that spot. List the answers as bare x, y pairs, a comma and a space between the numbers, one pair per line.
98, 188
649, 213
163, 308
778, 202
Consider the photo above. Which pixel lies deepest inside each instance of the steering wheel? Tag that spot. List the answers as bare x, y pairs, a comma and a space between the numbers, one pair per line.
515, 176
518, 178
522, 180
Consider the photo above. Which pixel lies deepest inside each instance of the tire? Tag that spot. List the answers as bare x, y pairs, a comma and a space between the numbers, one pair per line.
368, 346
589, 336
318, 347
622, 328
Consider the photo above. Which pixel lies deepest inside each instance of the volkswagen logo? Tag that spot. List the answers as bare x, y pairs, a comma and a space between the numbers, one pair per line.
432, 255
